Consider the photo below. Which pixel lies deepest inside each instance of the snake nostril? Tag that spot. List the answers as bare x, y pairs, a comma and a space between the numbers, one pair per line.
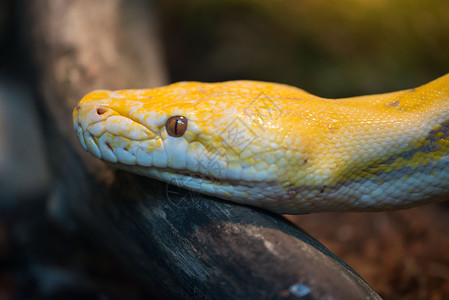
101, 110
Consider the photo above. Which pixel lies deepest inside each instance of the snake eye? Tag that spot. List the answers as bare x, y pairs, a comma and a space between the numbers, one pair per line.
176, 126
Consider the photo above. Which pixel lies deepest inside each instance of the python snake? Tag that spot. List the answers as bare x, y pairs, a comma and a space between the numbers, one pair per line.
275, 146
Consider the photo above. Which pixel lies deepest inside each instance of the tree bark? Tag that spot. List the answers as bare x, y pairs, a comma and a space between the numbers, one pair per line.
182, 244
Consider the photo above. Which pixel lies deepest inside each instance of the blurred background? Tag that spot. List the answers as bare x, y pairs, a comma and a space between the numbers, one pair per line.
331, 49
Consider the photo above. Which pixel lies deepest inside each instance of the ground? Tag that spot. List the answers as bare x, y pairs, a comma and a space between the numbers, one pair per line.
402, 254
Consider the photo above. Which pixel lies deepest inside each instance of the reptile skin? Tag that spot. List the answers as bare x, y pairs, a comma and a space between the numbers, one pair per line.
278, 147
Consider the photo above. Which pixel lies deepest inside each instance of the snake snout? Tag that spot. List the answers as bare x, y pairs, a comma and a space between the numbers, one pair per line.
108, 135
89, 121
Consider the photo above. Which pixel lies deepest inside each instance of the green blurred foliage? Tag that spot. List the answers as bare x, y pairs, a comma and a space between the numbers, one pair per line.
331, 48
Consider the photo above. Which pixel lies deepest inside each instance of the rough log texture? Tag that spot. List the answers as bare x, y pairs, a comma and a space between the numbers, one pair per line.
180, 244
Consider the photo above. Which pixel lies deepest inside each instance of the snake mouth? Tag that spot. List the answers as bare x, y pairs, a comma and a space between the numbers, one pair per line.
183, 178
127, 150
226, 188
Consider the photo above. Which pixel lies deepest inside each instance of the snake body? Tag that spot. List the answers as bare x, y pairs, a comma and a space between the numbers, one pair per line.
278, 147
